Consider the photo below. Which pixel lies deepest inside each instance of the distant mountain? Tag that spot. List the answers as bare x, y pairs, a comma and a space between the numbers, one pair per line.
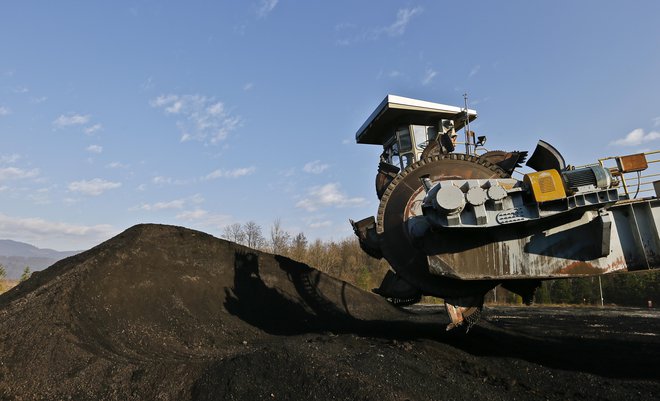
15, 256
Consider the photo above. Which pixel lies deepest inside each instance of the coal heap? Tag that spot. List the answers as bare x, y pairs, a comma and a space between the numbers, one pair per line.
164, 312
168, 313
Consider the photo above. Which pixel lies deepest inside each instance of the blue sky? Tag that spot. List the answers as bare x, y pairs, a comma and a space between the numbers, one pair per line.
207, 113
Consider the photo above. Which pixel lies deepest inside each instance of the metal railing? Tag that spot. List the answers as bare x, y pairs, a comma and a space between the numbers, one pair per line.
635, 184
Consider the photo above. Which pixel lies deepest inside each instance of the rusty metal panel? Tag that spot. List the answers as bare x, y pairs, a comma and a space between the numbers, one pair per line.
572, 249
632, 163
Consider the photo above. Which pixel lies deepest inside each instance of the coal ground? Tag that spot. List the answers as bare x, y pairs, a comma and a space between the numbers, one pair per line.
168, 313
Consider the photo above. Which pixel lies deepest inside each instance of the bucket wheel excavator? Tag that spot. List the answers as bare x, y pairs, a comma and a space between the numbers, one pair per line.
457, 224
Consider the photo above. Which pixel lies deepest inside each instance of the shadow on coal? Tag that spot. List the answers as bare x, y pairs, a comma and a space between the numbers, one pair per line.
271, 310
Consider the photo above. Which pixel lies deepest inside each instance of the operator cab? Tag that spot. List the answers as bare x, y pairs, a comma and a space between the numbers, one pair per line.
408, 143
406, 127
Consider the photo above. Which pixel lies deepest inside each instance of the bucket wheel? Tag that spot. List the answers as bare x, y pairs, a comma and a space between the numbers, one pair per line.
401, 202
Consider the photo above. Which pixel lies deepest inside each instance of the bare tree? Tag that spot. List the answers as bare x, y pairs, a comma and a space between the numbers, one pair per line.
279, 239
324, 256
343, 259
253, 237
298, 248
235, 233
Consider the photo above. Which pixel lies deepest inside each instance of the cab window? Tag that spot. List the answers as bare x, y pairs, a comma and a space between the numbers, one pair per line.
405, 143
421, 140
431, 132
394, 154
406, 160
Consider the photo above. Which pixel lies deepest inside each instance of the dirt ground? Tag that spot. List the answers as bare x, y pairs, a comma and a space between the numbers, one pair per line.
167, 313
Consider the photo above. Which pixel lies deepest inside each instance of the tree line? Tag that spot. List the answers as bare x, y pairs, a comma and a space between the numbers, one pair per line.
640, 289
626, 289
343, 259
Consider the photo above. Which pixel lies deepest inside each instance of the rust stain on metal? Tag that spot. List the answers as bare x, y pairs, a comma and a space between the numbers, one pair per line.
579, 269
618, 264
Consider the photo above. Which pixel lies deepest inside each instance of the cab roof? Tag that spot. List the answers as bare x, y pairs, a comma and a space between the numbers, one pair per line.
395, 111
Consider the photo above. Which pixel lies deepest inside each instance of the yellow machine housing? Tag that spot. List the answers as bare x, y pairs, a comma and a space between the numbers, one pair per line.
546, 185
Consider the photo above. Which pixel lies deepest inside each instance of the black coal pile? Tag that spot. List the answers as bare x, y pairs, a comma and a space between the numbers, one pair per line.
167, 313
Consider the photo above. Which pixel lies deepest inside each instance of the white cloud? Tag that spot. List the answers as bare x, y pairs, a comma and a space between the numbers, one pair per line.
74, 119
475, 102
161, 180
148, 84
201, 118
248, 86
403, 17
40, 196
320, 224
116, 165
195, 214
15, 173
216, 109
203, 218
39, 99
163, 100
290, 172
4, 111
38, 231
228, 125
169, 205
428, 76
197, 198
397, 28
21, 89
93, 187
656, 122
95, 149
328, 195
474, 71
71, 119
637, 137
92, 129
9, 159
344, 25
175, 107
173, 204
235, 173
265, 7
315, 167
